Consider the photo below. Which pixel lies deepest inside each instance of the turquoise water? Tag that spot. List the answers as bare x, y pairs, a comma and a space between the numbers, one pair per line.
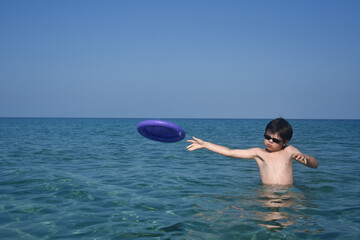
99, 179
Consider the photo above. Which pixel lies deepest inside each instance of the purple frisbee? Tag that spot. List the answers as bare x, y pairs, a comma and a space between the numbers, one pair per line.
162, 131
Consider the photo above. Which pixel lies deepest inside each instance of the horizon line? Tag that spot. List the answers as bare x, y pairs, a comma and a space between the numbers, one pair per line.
215, 118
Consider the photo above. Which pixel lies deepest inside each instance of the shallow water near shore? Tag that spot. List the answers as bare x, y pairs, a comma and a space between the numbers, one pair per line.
99, 179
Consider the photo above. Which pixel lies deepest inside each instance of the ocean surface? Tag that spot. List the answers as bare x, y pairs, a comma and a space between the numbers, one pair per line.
99, 179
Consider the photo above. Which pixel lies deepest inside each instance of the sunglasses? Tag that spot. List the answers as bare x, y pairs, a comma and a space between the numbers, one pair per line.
275, 140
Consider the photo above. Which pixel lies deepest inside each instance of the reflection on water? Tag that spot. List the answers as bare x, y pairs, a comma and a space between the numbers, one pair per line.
279, 203
273, 208
284, 206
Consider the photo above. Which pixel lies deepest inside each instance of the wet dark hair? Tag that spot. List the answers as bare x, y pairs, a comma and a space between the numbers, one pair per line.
281, 127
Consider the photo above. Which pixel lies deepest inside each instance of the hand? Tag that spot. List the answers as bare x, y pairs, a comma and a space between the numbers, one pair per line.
300, 157
196, 144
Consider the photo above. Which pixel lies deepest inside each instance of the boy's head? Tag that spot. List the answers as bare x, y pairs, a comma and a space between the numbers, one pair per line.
281, 127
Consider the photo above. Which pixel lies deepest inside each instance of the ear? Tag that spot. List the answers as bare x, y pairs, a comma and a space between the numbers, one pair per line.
285, 143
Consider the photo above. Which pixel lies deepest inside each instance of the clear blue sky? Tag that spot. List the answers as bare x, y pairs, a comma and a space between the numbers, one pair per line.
183, 58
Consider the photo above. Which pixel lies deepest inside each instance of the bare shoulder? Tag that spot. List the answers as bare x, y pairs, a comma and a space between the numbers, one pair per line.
291, 149
257, 150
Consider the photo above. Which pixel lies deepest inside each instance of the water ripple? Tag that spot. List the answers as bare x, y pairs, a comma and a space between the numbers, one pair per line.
99, 179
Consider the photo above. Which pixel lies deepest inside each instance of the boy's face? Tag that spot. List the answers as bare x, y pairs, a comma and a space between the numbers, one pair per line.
273, 142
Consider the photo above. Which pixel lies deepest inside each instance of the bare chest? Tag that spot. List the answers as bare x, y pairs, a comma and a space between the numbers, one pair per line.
276, 162
275, 168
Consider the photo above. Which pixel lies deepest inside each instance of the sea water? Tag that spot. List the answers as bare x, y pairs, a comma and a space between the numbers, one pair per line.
100, 179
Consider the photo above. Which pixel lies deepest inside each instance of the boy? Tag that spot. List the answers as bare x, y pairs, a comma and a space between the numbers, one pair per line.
275, 161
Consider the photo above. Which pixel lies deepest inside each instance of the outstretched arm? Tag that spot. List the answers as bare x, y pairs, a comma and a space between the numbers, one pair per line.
235, 153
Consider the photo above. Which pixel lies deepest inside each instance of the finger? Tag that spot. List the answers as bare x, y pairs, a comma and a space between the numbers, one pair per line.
192, 146
191, 149
196, 139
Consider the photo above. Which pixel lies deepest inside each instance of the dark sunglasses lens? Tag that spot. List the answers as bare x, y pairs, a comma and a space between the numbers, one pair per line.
267, 137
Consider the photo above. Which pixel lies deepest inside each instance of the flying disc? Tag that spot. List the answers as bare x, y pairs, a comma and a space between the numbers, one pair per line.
162, 131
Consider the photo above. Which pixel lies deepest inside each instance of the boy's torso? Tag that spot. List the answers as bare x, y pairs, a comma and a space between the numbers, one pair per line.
275, 167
